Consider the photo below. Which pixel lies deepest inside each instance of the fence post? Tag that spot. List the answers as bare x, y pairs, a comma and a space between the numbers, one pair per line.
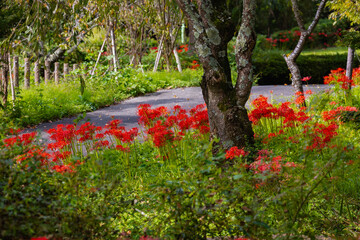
47, 71
27, 73
57, 73
66, 70
16, 71
37, 73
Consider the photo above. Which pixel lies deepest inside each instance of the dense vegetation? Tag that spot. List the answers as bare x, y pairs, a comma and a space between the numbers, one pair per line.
171, 178
302, 178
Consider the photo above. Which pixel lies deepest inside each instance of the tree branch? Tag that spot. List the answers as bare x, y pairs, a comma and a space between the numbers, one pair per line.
297, 14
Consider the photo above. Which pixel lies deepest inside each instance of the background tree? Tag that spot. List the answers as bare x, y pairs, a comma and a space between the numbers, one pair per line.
348, 9
305, 33
214, 25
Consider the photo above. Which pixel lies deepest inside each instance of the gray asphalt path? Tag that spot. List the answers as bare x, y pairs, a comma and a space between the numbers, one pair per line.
185, 97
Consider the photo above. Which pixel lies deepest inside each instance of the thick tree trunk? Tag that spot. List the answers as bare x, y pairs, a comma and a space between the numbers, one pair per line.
226, 103
349, 67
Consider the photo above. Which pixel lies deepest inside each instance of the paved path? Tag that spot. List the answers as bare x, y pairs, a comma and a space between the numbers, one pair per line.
185, 97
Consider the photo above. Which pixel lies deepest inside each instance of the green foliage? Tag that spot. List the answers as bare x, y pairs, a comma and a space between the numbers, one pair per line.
273, 70
49, 102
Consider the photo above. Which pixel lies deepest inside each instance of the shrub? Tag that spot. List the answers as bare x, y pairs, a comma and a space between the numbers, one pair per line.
273, 70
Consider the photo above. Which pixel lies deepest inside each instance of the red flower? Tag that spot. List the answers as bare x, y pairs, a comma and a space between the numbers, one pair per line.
235, 152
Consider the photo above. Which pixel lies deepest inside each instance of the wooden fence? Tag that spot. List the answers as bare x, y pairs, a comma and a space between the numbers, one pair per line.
56, 75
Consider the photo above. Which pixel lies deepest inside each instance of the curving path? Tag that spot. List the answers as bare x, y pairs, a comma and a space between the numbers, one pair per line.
185, 97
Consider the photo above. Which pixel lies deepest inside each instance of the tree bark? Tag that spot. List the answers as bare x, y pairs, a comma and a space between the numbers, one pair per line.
228, 117
27, 73
4, 78
290, 59
16, 71
113, 45
57, 73
12, 83
349, 67
37, 72
177, 59
66, 71
47, 72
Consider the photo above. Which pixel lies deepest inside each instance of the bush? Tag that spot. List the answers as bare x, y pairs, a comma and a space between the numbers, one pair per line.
272, 68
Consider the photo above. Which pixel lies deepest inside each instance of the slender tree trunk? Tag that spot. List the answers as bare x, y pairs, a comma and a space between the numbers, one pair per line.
99, 55
57, 73
47, 72
16, 71
4, 78
37, 72
349, 67
66, 71
12, 82
27, 73
178, 62
290, 59
113, 45
158, 55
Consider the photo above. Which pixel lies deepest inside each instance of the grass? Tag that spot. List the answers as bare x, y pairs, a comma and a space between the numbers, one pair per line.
50, 102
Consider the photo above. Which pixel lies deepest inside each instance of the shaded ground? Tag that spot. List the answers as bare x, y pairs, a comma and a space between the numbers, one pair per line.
185, 97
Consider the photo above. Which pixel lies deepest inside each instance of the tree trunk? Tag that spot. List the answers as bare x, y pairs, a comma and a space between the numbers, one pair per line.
27, 73
226, 103
66, 71
113, 45
47, 72
12, 83
4, 78
349, 67
290, 59
158, 55
37, 72
57, 73
16, 71
177, 59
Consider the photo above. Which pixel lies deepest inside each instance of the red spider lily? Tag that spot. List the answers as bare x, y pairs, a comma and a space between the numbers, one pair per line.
336, 113
64, 134
24, 139
263, 109
265, 164
122, 135
194, 65
113, 124
34, 154
86, 132
160, 134
300, 100
305, 79
122, 148
338, 76
56, 156
148, 115
101, 144
321, 135
235, 152
39, 238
